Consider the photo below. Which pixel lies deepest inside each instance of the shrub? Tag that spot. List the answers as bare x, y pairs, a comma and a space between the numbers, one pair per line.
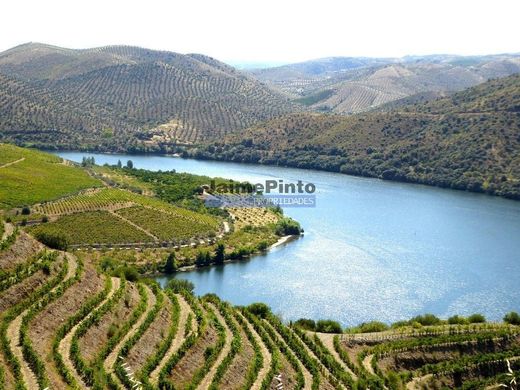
45, 219
287, 226
306, 324
512, 318
262, 245
112, 330
457, 320
373, 326
476, 319
400, 324
426, 320
108, 264
180, 285
328, 326
130, 273
259, 309
26, 210
53, 240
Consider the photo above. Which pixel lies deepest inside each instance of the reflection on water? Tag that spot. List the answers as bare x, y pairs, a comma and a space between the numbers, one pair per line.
372, 249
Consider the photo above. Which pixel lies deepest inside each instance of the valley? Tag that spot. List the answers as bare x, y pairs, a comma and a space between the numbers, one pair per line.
120, 268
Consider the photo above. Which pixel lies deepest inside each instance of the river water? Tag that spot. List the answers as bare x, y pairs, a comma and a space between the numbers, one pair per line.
372, 249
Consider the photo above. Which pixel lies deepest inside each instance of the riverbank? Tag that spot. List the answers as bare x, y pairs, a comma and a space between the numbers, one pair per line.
439, 183
283, 240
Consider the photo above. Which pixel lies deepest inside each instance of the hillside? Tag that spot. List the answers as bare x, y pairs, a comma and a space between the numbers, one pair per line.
353, 85
87, 319
112, 97
469, 140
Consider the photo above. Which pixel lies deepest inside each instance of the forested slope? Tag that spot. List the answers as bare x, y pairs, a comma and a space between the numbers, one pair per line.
470, 140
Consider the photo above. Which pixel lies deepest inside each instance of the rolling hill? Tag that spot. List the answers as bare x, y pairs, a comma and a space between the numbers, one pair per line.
353, 85
469, 140
112, 97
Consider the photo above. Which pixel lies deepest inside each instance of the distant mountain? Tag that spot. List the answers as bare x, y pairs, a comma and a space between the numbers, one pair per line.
353, 85
469, 140
113, 97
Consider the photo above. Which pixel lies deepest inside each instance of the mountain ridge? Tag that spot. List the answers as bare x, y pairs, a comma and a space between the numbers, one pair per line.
469, 140
345, 85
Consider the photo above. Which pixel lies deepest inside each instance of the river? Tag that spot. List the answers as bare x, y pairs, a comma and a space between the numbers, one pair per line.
372, 249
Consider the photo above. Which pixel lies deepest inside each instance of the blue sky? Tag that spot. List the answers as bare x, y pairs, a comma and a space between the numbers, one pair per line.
270, 30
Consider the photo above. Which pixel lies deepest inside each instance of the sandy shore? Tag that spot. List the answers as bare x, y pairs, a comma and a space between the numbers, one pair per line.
282, 241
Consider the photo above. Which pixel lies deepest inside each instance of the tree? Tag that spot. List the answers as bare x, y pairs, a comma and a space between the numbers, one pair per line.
328, 326
130, 164
129, 272
426, 320
305, 323
119, 164
259, 309
26, 210
512, 318
203, 258
53, 240
287, 226
171, 264
476, 318
219, 253
457, 320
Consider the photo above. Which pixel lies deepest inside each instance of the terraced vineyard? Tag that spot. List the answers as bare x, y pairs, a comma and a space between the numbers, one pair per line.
63, 324
114, 199
88, 320
114, 216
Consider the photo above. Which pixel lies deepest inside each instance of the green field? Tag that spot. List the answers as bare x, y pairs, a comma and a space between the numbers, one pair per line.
97, 227
38, 177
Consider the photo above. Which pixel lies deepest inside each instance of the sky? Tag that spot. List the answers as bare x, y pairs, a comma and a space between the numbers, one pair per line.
269, 31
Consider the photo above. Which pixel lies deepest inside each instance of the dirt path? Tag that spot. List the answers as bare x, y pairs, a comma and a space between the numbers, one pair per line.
8, 230
134, 225
12, 163
185, 309
226, 227
65, 343
266, 355
367, 364
306, 374
204, 384
416, 381
13, 331
109, 362
328, 340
